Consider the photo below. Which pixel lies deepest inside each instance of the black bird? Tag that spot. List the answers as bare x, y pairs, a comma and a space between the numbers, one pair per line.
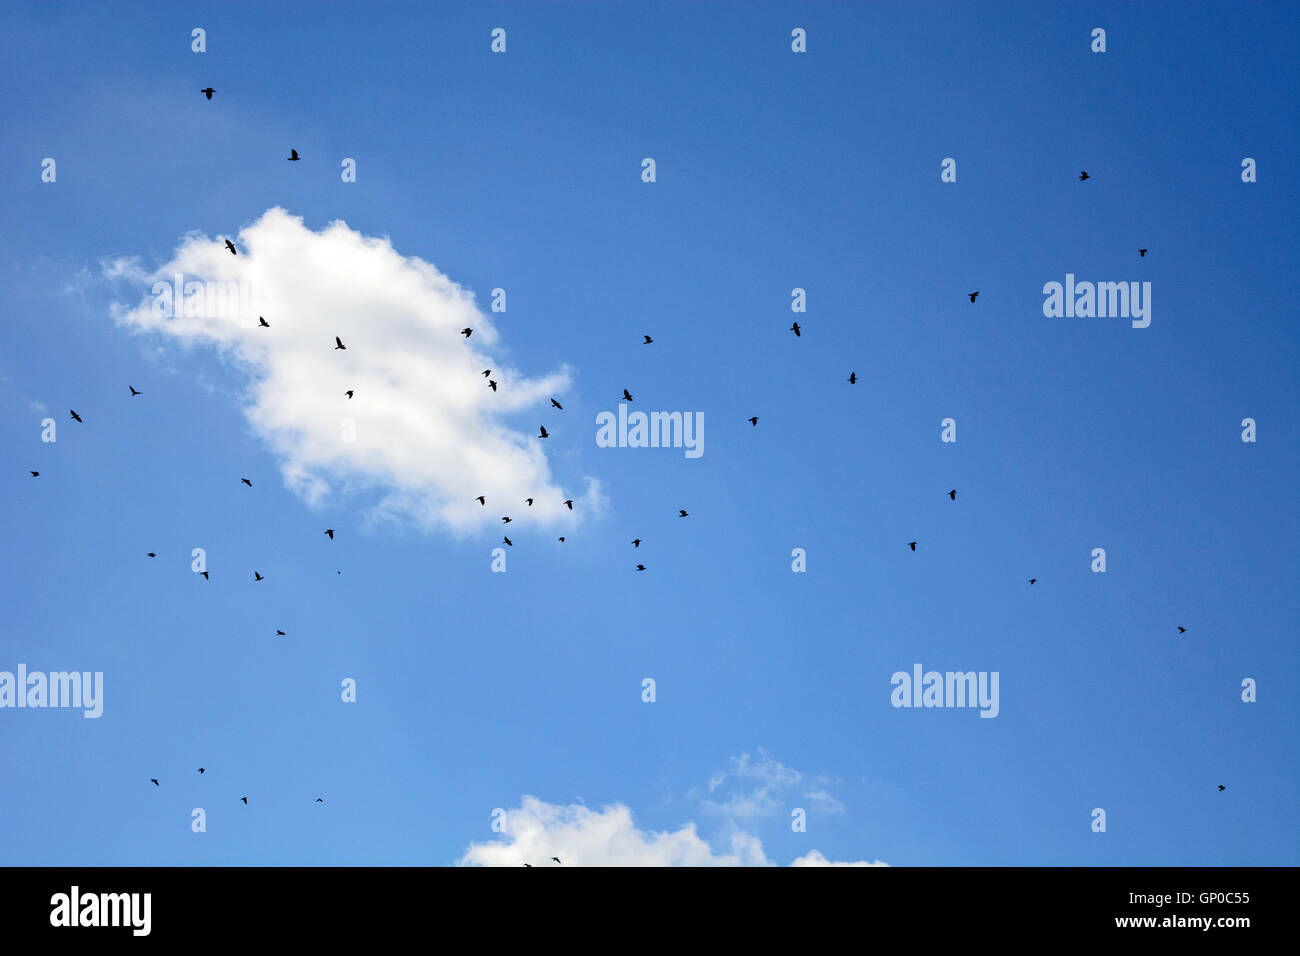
912, 545
1032, 580
349, 393
1084, 175
247, 482
1142, 252
208, 92
953, 494
556, 859
263, 323
293, 155
636, 542
556, 404
972, 295
529, 865
561, 538
1181, 629
231, 246
487, 372
544, 433
492, 385
330, 532
467, 332
569, 502
505, 520
481, 500
245, 799
681, 513
155, 781
853, 378
338, 344
75, 416
319, 800
627, 396
36, 474
279, 633
1222, 787
530, 501
508, 541
152, 555
647, 341
133, 391
200, 770
205, 575
795, 329
640, 567
257, 576
753, 421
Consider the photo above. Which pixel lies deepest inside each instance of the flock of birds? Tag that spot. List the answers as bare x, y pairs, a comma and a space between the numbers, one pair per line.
492, 384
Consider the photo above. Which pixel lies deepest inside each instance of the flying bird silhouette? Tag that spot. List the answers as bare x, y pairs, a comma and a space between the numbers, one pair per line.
556, 859
338, 344
1084, 175
795, 329
133, 391
293, 155
349, 393
200, 770
208, 92
263, 323
569, 503
75, 416
245, 799
152, 555
544, 433
36, 474
1142, 252
319, 800
257, 576
487, 372
492, 385
627, 396
330, 532
556, 404
972, 295
1032, 580
561, 539
231, 246
205, 575
753, 421
481, 500
636, 542
279, 633
912, 545
505, 520
953, 494
247, 482
647, 341
640, 567
1181, 629
530, 501
467, 332
508, 541
681, 513
155, 781
1222, 787
853, 378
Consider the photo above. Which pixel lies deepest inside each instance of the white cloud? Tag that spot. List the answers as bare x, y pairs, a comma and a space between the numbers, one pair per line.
429, 433
775, 786
579, 836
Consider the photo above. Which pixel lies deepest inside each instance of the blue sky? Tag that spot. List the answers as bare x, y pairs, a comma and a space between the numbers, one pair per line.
775, 170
